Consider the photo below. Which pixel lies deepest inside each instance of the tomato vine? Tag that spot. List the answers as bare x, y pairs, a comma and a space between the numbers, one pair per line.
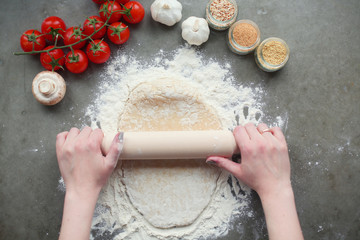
69, 45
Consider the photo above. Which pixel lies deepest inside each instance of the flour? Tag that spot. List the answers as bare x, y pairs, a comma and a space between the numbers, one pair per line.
214, 83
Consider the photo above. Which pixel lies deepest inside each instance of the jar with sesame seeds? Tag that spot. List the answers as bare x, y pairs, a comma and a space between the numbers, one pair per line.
220, 14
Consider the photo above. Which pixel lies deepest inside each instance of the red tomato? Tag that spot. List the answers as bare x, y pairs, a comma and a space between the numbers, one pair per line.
52, 26
77, 62
133, 12
53, 60
32, 40
93, 24
98, 51
118, 33
74, 35
107, 8
122, 1
99, 1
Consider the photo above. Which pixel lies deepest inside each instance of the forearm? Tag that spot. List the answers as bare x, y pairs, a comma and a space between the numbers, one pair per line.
281, 216
77, 216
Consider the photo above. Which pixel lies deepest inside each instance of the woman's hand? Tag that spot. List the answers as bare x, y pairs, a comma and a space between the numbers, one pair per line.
265, 165
85, 171
82, 165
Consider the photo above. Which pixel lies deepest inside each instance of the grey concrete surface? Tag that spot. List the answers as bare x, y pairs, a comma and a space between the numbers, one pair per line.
317, 93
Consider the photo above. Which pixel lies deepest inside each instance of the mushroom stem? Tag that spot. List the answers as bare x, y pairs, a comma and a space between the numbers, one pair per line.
47, 87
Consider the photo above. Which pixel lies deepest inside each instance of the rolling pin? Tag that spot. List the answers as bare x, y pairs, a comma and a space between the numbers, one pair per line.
174, 144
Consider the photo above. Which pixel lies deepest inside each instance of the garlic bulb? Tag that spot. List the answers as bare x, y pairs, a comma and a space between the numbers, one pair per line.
48, 87
195, 30
167, 12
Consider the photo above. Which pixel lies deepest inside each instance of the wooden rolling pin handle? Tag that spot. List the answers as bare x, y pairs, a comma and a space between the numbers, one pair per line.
174, 144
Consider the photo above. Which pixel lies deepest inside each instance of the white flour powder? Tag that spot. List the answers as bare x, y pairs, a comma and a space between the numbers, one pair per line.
115, 216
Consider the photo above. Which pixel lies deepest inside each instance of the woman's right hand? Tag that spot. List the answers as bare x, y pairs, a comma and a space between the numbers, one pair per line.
265, 165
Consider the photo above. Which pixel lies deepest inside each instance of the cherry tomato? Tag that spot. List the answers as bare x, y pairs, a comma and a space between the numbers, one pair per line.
74, 35
118, 33
77, 62
122, 1
93, 24
32, 40
107, 8
99, 1
52, 26
54, 60
98, 51
133, 12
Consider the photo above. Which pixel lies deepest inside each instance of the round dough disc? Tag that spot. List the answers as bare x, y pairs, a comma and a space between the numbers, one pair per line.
168, 193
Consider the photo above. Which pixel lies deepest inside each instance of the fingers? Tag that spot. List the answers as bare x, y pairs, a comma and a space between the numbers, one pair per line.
114, 152
268, 131
261, 127
252, 131
73, 133
85, 132
241, 136
278, 134
97, 135
273, 133
228, 165
60, 140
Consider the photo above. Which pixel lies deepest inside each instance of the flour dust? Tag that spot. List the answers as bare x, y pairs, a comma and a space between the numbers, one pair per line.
115, 216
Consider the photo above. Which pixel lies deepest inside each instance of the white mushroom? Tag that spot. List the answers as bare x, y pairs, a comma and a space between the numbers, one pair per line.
48, 87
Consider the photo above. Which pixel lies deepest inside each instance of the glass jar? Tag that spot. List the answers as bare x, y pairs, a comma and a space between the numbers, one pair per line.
271, 60
224, 19
235, 46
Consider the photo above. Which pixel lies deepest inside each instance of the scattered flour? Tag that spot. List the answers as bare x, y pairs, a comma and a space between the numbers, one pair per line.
115, 216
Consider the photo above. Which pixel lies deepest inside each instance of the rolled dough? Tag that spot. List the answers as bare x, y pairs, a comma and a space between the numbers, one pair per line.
170, 193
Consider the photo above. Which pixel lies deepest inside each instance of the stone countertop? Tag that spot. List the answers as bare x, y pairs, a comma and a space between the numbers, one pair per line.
316, 96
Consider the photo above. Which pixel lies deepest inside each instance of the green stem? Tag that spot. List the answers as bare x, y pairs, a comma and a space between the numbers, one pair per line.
56, 40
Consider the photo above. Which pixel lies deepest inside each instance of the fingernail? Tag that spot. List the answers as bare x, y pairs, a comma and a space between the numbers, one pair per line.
120, 142
121, 137
212, 162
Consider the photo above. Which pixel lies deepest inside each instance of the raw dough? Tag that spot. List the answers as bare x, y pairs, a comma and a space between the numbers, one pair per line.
164, 105
168, 193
